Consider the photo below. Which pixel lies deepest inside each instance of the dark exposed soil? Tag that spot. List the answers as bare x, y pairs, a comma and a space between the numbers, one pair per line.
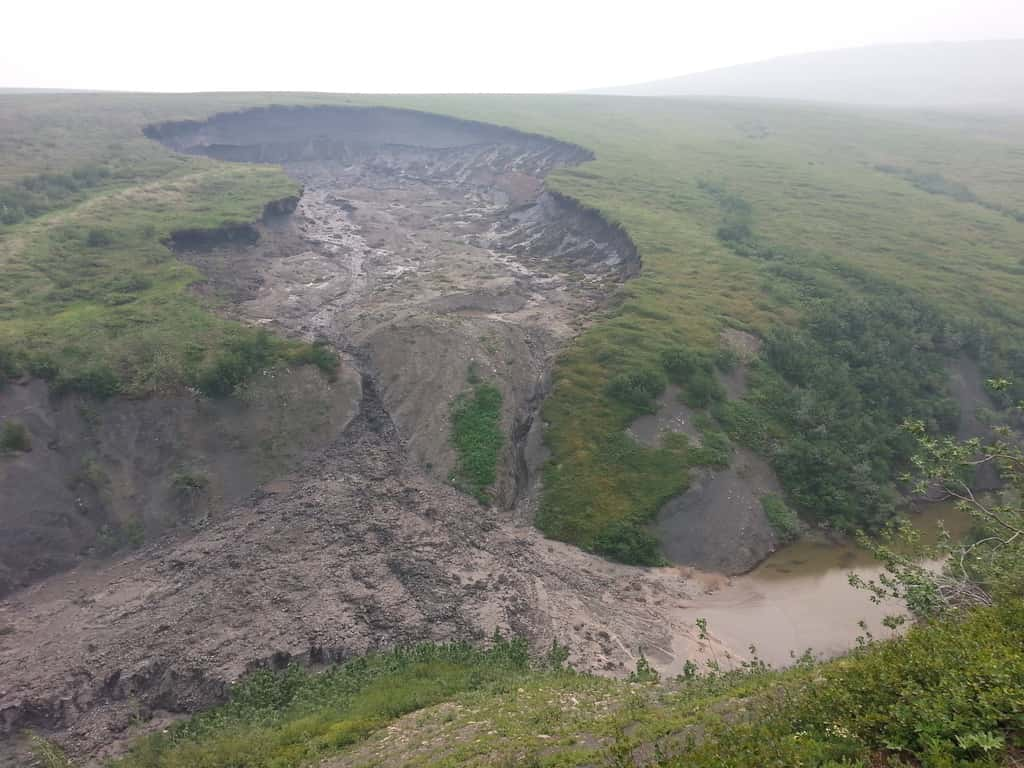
358, 550
719, 524
670, 416
104, 474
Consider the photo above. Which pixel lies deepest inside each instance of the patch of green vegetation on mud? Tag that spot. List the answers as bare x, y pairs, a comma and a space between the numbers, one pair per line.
478, 438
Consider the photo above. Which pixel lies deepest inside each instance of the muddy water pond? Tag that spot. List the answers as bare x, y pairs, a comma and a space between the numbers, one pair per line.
800, 598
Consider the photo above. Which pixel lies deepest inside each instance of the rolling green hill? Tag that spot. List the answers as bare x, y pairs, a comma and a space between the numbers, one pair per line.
983, 74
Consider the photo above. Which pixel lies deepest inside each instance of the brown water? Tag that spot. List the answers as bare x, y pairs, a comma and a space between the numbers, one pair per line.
801, 598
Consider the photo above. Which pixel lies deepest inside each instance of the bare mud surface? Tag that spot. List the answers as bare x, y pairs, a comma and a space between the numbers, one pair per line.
421, 249
718, 524
421, 261
358, 550
670, 416
103, 474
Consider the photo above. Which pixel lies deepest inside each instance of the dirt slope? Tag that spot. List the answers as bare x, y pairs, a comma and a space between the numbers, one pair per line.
358, 550
103, 474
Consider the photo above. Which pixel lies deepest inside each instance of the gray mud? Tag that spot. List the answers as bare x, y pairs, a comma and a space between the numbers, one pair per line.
421, 248
358, 550
102, 475
718, 524
670, 416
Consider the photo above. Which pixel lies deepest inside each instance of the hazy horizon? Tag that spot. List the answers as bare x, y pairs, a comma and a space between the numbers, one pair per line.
454, 46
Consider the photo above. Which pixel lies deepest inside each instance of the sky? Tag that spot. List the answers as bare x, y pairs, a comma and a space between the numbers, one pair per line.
382, 46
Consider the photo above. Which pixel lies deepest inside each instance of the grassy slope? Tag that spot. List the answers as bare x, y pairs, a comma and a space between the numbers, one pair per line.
89, 295
950, 693
808, 174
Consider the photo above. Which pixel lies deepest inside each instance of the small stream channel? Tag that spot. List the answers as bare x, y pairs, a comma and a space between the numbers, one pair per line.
801, 598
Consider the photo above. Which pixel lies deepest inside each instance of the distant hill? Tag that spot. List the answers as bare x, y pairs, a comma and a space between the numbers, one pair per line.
968, 74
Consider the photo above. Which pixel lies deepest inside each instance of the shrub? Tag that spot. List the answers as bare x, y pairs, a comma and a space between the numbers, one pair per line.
628, 542
8, 366
680, 363
695, 373
187, 486
98, 381
930, 693
702, 389
715, 449
241, 359
98, 238
321, 354
781, 518
734, 232
14, 438
638, 388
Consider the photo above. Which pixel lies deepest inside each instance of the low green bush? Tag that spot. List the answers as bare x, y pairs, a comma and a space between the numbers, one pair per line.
321, 354
99, 238
638, 388
783, 520
629, 542
694, 372
477, 437
35, 195
187, 486
240, 359
14, 438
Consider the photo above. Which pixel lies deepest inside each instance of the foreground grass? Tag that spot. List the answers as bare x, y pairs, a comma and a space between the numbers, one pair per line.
948, 693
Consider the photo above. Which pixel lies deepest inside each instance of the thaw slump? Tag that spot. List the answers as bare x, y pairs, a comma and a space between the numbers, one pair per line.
421, 246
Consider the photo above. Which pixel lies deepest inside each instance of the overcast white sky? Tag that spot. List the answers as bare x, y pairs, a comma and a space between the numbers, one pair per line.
449, 45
